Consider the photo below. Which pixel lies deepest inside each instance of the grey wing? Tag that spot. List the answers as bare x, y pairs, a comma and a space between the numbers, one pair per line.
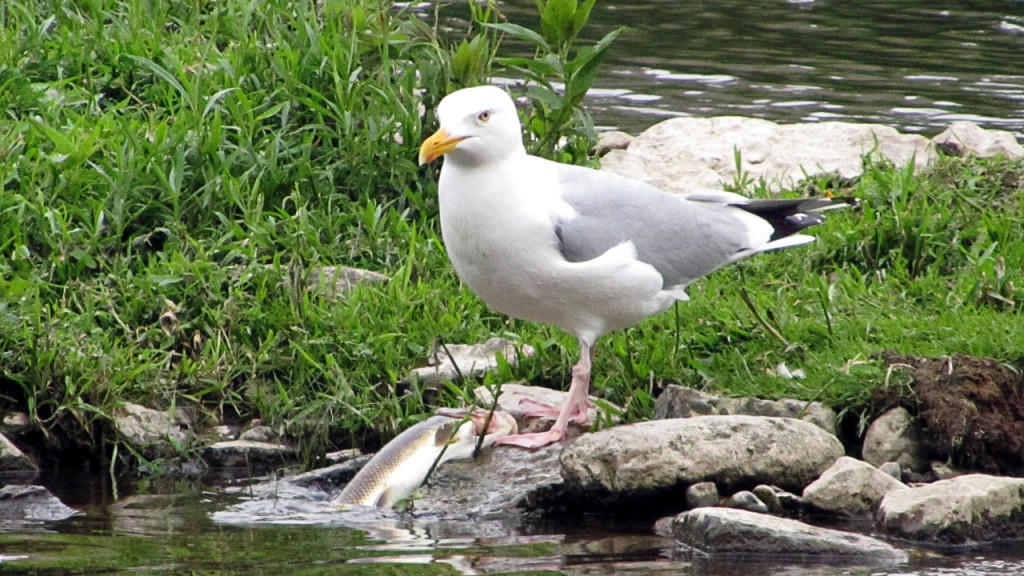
682, 239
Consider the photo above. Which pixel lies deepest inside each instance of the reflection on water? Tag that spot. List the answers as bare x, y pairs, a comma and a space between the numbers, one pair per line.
293, 530
915, 64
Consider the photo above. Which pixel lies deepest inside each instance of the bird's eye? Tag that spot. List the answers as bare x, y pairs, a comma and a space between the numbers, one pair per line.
484, 116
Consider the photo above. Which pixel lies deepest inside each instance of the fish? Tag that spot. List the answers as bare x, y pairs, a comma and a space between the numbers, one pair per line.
403, 464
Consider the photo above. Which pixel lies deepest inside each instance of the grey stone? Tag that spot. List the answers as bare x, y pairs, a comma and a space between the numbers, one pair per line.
962, 510
685, 154
15, 424
746, 500
333, 281
723, 531
512, 396
970, 139
702, 494
892, 469
245, 453
943, 471
731, 451
684, 402
895, 437
149, 432
260, 433
31, 503
12, 458
469, 359
850, 487
612, 140
769, 496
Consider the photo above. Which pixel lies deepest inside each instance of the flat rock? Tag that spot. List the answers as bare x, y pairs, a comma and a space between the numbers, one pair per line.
250, 454
724, 531
895, 436
970, 139
333, 281
501, 483
469, 360
31, 504
732, 451
685, 154
12, 459
684, 402
511, 397
850, 487
147, 431
962, 510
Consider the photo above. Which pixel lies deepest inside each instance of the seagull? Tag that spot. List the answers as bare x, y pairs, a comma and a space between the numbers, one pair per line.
590, 252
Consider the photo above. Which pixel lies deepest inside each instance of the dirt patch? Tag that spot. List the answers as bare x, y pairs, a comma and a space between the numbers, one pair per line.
972, 409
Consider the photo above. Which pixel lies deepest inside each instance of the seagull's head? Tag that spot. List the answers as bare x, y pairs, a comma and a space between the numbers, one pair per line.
478, 125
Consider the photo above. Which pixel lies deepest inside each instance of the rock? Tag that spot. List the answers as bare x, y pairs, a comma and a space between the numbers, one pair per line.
260, 433
333, 281
15, 424
512, 395
718, 531
685, 154
731, 451
224, 432
943, 471
31, 503
769, 496
683, 402
967, 138
895, 437
502, 482
892, 469
702, 494
850, 487
248, 454
12, 458
470, 360
149, 432
746, 500
612, 140
965, 509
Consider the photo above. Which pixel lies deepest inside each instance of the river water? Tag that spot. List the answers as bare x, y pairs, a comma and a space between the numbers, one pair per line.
914, 64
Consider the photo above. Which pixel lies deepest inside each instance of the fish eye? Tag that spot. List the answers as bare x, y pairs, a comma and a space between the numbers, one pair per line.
484, 116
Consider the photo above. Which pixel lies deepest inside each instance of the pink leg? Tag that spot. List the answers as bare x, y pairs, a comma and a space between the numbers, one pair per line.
575, 407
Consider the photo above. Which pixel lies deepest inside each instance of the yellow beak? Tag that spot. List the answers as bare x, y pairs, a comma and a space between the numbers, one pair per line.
438, 144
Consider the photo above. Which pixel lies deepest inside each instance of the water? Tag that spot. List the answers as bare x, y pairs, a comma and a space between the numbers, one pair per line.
914, 64
214, 529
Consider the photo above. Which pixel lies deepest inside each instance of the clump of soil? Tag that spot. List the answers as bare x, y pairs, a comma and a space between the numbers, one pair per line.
971, 409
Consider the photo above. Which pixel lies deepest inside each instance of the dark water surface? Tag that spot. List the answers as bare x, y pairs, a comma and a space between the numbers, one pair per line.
914, 64
216, 530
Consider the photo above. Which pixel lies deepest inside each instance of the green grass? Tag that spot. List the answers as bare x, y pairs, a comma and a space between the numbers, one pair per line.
172, 173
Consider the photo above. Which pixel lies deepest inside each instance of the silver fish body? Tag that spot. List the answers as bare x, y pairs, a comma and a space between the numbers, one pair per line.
402, 465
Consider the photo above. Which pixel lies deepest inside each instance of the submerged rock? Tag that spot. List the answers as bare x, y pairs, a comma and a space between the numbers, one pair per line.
850, 487
895, 437
469, 360
722, 531
732, 451
683, 402
965, 509
31, 504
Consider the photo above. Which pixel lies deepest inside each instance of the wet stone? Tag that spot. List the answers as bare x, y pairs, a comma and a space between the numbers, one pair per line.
702, 494
745, 500
31, 504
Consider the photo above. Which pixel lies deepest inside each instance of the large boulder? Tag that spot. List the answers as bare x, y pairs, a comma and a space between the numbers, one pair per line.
684, 154
965, 509
722, 531
683, 402
850, 487
734, 452
20, 504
